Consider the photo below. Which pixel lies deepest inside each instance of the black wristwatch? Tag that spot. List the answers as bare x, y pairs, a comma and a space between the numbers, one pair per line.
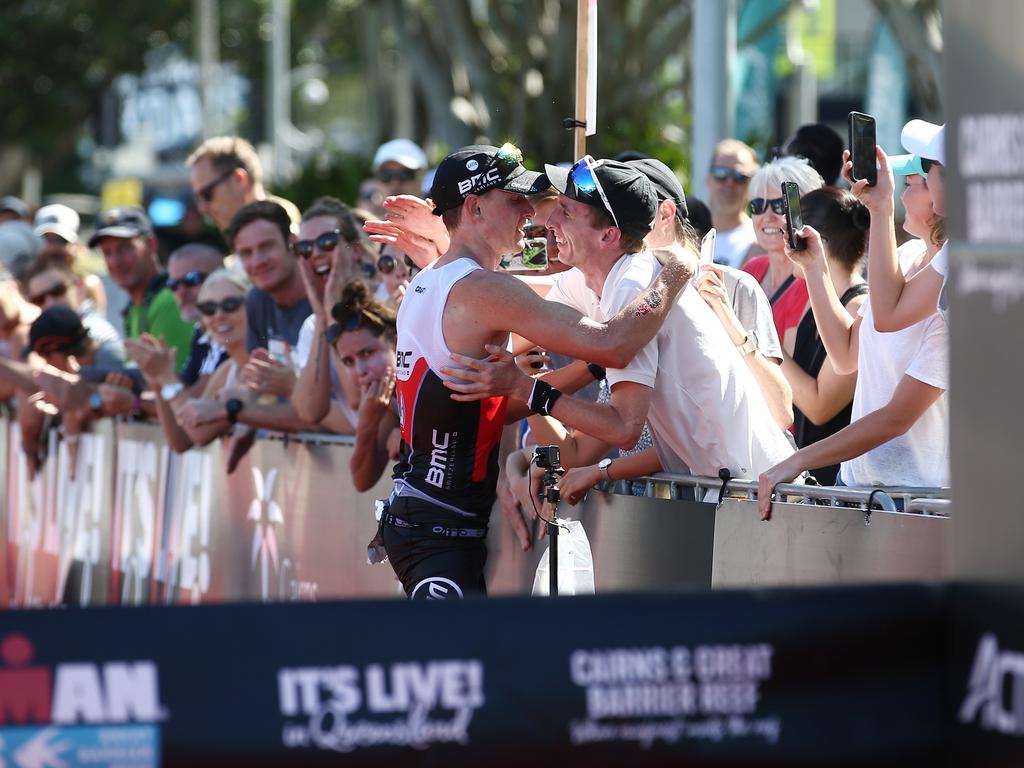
234, 407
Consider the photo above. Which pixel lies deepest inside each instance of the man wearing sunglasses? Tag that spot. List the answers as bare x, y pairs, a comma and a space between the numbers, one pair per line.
226, 174
732, 166
456, 314
50, 286
398, 167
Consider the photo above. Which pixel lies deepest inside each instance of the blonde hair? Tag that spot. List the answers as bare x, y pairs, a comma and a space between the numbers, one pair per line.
227, 152
237, 279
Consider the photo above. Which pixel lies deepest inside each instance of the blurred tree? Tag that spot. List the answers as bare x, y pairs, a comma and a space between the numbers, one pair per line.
60, 58
917, 24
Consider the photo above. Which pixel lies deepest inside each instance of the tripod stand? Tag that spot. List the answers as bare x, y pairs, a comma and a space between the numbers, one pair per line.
548, 459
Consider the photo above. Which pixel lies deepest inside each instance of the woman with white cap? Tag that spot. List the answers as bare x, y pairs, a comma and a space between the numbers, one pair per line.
899, 302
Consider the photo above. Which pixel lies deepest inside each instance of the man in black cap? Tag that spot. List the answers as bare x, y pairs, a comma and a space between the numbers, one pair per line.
125, 237
705, 410
460, 309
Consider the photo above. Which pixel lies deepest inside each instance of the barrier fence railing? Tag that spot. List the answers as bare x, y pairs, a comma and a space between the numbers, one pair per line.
119, 518
882, 497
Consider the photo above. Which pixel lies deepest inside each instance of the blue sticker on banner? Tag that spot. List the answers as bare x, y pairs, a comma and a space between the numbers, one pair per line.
77, 746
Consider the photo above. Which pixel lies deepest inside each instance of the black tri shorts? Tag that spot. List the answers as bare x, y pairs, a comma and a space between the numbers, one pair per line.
432, 566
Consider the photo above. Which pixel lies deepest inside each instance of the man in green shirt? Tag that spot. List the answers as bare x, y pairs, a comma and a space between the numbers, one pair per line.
125, 237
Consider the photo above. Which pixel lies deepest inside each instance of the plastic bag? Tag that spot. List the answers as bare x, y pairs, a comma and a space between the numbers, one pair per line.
575, 562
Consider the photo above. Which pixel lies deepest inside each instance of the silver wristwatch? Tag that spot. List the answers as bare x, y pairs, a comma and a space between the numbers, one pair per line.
169, 391
602, 467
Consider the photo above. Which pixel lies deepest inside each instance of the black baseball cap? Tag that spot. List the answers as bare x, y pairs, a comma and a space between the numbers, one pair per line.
123, 221
665, 182
57, 329
631, 195
480, 168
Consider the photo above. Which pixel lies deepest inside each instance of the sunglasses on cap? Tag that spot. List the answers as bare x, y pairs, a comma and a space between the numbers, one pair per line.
56, 292
229, 305
324, 243
386, 264
759, 205
926, 164
505, 160
403, 174
188, 280
205, 192
721, 173
585, 180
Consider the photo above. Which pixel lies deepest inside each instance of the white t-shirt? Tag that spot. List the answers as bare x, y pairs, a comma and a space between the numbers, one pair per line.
921, 456
732, 245
940, 264
707, 411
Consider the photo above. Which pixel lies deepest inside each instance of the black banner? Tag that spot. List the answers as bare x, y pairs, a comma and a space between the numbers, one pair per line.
842, 676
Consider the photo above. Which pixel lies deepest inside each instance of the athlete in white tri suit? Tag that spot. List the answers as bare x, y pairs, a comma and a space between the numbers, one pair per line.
435, 522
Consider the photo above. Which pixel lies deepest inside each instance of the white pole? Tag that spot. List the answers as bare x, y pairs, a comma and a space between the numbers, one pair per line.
279, 103
714, 55
207, 19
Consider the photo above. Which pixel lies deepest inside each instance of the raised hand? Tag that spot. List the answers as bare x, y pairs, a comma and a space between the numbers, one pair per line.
879, 198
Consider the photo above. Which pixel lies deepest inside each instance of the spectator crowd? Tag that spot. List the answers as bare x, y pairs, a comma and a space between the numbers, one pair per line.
823, 364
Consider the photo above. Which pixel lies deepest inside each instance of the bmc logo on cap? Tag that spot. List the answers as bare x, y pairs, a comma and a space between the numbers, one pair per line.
490, 177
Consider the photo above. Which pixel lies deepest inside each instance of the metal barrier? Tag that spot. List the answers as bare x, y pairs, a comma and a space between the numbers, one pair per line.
126, 521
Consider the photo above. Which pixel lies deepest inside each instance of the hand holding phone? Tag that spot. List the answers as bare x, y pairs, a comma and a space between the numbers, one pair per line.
707, 247
862, 148
794, 221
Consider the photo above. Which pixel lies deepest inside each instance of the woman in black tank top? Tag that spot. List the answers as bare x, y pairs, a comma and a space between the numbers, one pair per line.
822, 399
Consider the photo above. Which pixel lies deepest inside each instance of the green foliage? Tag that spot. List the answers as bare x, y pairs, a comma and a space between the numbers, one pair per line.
338, 176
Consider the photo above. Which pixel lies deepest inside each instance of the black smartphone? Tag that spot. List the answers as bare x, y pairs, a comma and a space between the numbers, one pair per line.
862, 148
794, 221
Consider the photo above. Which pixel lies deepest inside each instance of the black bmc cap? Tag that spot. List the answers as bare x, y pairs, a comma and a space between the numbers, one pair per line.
480, 168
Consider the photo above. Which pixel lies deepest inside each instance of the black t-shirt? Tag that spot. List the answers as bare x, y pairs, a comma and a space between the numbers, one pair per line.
267, 321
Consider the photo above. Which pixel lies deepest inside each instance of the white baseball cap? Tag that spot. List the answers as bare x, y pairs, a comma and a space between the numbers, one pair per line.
402, 151
57, 219
925, 140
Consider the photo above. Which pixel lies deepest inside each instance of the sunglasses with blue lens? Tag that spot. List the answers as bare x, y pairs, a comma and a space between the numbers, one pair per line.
188, 280
584, 179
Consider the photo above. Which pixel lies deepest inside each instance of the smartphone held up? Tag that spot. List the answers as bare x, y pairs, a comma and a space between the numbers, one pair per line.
862, 148
794, 221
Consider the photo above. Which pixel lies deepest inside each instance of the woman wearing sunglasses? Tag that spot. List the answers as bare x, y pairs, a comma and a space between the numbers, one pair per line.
396, 270
786, 291
364, 335
222, 306
899, 433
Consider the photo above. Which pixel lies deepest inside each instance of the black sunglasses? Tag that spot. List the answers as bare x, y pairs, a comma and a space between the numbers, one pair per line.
55, 292
926, 164
325, 243
759, 205
386, 264
189, 280
405, 174
229, 305
721, 173
205, 193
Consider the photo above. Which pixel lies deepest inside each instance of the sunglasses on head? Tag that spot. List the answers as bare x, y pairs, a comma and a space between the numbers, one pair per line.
926, 164
229, 305
188, 280
505, 160
325, 243
721, 173
759, 205
205, 193
55, 292
404, 174
386, 264
585, 180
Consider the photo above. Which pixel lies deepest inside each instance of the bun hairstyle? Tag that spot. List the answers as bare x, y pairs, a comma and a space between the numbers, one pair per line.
358, 309
843, 222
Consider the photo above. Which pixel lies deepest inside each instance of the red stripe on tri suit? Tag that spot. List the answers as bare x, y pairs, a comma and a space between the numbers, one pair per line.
408, 394
492, 422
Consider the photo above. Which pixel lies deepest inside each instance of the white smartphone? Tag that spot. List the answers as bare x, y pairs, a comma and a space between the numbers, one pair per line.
707, 247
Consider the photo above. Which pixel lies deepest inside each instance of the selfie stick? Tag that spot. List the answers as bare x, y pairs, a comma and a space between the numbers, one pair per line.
551, 495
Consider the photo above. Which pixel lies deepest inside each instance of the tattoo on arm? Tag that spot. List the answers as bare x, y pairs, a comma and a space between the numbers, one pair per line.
650, 302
